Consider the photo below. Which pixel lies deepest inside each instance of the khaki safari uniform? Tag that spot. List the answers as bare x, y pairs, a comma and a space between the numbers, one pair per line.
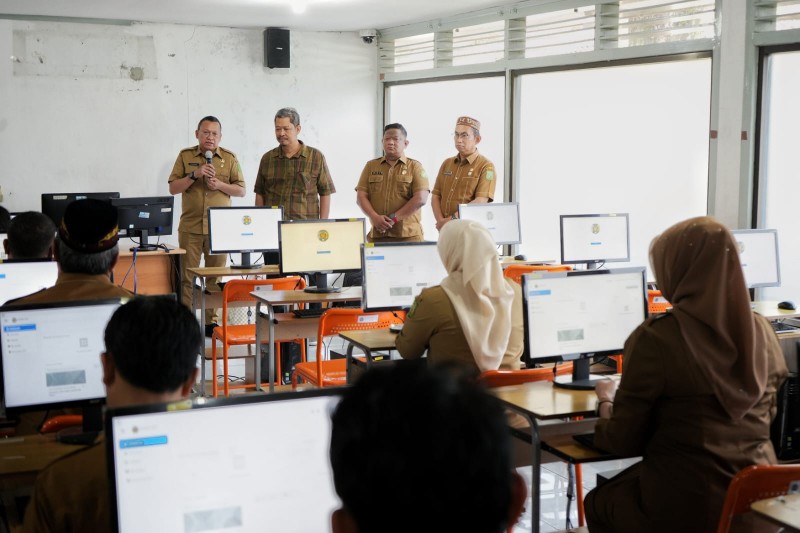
666, 411
195, 201
432, 324
462, 180
71, 494
70, 287
294, 183
389, 188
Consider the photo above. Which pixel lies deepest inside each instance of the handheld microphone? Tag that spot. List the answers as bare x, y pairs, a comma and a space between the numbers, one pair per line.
208, 155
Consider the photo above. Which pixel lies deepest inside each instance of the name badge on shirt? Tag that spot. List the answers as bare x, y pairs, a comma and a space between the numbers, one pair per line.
448, 172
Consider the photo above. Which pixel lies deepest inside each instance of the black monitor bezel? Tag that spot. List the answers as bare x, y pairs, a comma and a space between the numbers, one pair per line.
49, 206
590, 261
125, 204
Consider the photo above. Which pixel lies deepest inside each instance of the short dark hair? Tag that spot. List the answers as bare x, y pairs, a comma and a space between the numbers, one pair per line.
5, 219
154, 342
30, 235
209, 118
413, 444
395, 126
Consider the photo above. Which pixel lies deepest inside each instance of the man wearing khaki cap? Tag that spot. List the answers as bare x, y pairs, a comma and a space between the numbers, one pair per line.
466, 178
86, 250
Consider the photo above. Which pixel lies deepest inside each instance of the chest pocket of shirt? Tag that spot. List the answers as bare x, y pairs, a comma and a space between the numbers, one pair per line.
376, 184
466, 187
306, 182
403, 184
223, 173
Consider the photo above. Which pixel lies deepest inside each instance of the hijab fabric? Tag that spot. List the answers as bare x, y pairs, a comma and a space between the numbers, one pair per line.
697, 268
477, 289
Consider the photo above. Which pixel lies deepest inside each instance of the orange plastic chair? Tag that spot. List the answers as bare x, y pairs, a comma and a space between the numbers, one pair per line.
59, 422
756, 482
333, 372
516, 272
501, 378
238, 290
656, 303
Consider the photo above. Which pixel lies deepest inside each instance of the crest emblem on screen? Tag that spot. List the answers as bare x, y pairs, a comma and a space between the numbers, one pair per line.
489, 215
740, 247
323, 235
247, 220
595, 228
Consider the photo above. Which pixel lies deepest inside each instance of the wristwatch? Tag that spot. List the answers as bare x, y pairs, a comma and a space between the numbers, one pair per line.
190, 175
393, 216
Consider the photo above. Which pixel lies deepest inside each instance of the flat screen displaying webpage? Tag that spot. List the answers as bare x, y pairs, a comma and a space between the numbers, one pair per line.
395, 273
581, 312
320, 245
594, 238
24, 278
758, 253
502, 220
237, 465
243, 229
51, 352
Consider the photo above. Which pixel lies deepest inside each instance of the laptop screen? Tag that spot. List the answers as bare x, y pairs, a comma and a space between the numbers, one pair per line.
24, 278
247, 464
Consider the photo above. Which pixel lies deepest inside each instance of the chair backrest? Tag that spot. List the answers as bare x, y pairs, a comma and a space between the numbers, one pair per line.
338, 319
238, 290
516, 272
501, 378
756, 482
59, 422
656, 303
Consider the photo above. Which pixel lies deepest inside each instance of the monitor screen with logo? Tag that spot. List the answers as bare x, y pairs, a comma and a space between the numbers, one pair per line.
595, 239
244, 230
502, 220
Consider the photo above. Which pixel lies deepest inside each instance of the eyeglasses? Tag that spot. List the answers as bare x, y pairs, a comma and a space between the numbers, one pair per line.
463, 135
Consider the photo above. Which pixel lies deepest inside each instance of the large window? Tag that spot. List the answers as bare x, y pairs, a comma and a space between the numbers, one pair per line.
779, 163
621, 139
429, 111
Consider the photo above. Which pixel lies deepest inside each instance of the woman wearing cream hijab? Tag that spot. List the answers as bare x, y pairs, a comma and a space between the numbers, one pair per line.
697, 395
475, 315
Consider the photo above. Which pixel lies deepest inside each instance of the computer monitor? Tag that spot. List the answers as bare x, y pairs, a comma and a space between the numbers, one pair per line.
18, 279
143, 217
251, 463
502, 220
3, 237
395, 273
580, 314
758, 253
595, 239
54, 204
320, 247
243, 230
50, 358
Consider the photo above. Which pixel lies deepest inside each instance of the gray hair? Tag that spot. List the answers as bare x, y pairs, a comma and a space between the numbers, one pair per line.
73, 262
290, 113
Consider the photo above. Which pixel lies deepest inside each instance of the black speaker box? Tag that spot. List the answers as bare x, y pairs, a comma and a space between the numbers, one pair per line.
276, 48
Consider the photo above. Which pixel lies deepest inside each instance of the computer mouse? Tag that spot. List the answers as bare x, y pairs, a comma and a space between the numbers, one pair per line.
789, 306
396, 328
520, 257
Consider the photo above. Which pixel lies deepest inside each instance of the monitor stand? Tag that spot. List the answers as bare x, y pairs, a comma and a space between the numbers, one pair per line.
321, 284
86, 434
144, 246
246, 264
581, 379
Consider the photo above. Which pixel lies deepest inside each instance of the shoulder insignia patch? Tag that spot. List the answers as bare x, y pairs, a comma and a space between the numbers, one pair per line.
490, 174
413, 308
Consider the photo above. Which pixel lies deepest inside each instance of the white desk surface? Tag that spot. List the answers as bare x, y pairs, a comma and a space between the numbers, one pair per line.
769, 310
300, 296
783, 510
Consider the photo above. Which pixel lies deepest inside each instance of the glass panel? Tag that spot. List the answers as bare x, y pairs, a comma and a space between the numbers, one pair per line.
560, 32
483, 43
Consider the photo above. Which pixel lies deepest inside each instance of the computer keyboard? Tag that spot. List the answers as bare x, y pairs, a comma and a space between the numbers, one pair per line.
778, 327
309, 313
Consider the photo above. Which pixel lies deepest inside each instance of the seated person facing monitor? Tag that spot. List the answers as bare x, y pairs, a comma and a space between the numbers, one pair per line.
475, 315
697, 395
440, 458
30, 237
86, 250
152, 344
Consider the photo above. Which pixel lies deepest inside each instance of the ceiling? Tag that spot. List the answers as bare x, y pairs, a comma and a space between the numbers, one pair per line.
319, 15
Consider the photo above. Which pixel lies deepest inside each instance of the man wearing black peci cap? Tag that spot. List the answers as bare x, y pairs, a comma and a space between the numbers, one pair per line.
86, 250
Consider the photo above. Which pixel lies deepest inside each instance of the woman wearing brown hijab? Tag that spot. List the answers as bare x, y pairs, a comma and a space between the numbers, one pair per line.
697, 395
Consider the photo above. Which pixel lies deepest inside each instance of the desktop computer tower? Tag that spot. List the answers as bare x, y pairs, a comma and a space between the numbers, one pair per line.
785, 430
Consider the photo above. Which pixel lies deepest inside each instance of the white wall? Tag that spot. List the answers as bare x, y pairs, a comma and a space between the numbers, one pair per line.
72, 118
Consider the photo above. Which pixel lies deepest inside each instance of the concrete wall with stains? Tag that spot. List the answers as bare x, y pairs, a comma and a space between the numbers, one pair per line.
89, 107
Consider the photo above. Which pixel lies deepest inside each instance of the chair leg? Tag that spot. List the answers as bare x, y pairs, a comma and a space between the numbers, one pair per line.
278, 368
225, 384
214, 384
579, 495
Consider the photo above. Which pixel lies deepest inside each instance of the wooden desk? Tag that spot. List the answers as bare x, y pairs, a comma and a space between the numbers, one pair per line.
273, 326
368, 341
781, 510
21, 458
157, 272
770, 310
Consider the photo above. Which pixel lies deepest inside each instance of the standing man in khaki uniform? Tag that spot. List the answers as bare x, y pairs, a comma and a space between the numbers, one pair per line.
392, 190
465, 179
203, 184
293, 175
